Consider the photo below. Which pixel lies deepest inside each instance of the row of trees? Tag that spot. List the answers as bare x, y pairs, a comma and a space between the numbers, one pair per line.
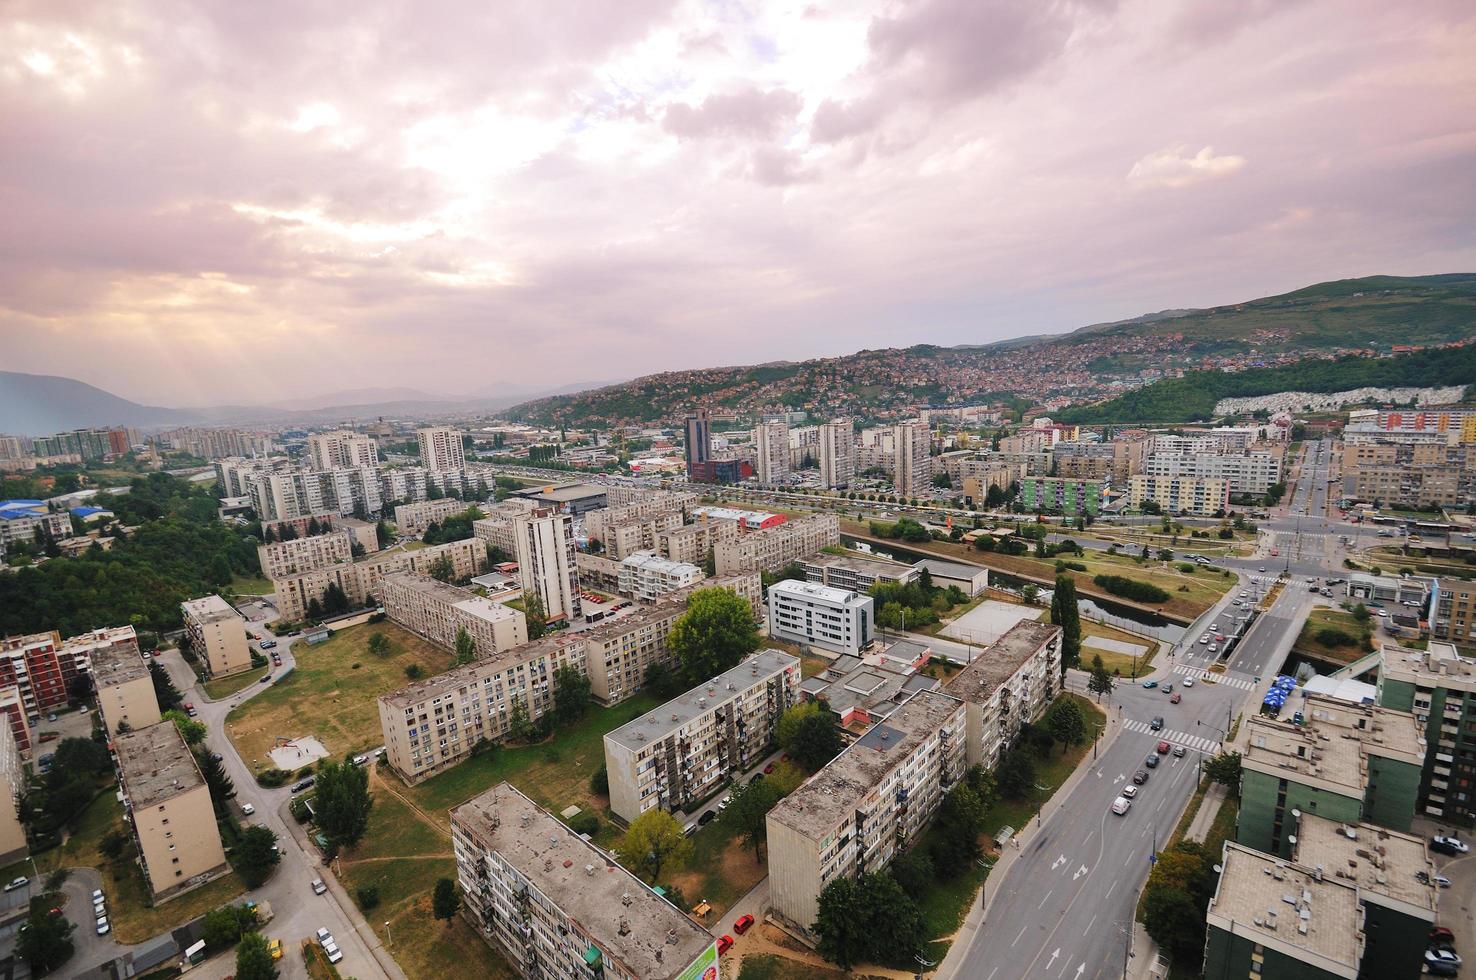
1130, 588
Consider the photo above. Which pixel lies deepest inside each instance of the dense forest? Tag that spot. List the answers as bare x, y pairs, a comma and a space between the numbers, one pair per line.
1192, 397
177, 551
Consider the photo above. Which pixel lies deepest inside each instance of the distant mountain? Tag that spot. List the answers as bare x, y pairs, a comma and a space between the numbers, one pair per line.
358, 396
1088, 365
40, 404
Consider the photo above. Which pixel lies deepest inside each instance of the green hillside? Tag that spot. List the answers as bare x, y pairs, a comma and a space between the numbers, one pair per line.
1192, 397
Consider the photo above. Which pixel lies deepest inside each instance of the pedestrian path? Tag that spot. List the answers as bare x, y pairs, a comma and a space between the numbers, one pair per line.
1227, 679
1198, 743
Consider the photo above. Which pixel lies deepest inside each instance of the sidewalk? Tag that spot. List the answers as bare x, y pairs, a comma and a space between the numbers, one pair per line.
1209, 807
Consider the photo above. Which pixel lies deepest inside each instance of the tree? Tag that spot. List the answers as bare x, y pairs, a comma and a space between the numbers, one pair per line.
1029, 593
869, 918
254, 959
1101, 681
714, 634
255, 856
1225, 769
786, 731
655, 841
45, 942
1065, 614
382, 533
571, 694
1065, 722
662, 682
220, 785
335, 600
441, 569
466, 648
839, 922
956, 830
225, 925
748, 809
379, 644
342, 801
599, 783
914, 871
535, 614
1360, 613
74, 756
816, 741
1016, 775
165, 692
519, 725
445, 900
193, 731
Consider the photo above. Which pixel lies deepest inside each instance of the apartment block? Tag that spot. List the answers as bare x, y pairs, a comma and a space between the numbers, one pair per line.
169, 810
1410, 475
555, 905
412, 483
1060, 496
283, 496
41, 669
214, 444
855, 573
1438, 687
359, 579
341, 449
678, 755
597, 572
771, 447
1246, 472
13, 708
28, 521
837, 620
496, 529
837, 454
438, 612
865, 806
13, 784
441, 448
414, 518
1198, 496
546, 565
1008, 685
303, 554
691, 543
1346, 762
217, 635
637, 534
912, 466
434, 724
648, 577
773, 548
632, 506
1453, 612
125, 689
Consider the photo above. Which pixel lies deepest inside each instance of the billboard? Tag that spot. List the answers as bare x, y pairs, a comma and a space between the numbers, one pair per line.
705, 967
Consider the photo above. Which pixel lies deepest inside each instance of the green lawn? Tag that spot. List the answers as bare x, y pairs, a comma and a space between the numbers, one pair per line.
770, 967
250, 585
1122, 663
224, 687
1338, 619
332, 692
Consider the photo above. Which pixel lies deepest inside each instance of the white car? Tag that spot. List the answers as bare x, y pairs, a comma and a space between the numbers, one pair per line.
97, 895
324, 936
1214, 627
247, 809
318, 886
1205, 638
1244, 595
102, 926
15, 883
1121, 805
1188, 682
334, 953
1129, 791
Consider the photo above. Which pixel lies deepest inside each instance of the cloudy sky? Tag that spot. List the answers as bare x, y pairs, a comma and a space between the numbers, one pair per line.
213, 201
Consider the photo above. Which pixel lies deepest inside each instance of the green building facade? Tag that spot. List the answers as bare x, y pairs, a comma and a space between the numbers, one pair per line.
1060, 495
1439, 688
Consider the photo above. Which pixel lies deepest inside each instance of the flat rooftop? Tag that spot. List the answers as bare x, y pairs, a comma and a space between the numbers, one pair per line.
996, 664
467, 602
588, 886
113, 667
1380, 862
685, 708
1331, 744
1439, 666
823, 800
156, 764
951, 569
866, 566
818, 592
1271, 901
209, 609
567, 493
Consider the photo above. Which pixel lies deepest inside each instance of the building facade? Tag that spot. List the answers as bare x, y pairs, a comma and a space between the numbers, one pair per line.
342, 450
1198, 496
1010, 684
1246, 472
13, 785
303, 554
359, 579
648, 577
693, 543
438, 612
125, 689
1438, 687
771, 448
678, 755
217, 635
1060, 496
414, 518
39, 669
912, 466
837, 445
856, 573
441, 448
837, 620
698, 428
1453, 612
546, 565
773, 548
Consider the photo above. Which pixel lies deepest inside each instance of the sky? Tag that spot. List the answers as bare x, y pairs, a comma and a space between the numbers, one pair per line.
206, 202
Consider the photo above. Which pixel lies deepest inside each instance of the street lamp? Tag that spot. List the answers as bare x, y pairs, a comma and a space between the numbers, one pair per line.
389, 935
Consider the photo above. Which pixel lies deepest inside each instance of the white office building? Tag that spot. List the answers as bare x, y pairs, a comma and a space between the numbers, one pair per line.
818, 615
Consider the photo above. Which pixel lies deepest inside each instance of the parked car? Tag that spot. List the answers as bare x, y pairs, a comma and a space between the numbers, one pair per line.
1121, 805
769, 769
275, 948
1130, 791
707, 818
1178, 751
743, 923
102, 926
1151, 762
247, 809
318, 886
360, 760
267, 679
268, 644
1443, 958
1441, 935
724, 944
1448, 845
324, 936
302, 784
15, 883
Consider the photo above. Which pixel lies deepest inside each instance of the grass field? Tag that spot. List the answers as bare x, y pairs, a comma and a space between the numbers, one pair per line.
250, 585
1122, 663
224, 687
1337, 619
332, 692
770, 967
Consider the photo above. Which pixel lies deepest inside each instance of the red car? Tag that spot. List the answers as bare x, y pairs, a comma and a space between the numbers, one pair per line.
1176, 698
742, 925
769, 769
724, 944
1163, 748
1440, 934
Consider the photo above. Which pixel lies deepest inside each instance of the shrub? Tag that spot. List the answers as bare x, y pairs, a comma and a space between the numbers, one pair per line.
1130, 588
1331, 637
413, 672
1187, 568
599, 783
367, 896
584, 822
273, 777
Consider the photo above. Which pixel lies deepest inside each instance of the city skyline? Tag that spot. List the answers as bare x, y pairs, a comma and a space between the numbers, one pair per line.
579, 196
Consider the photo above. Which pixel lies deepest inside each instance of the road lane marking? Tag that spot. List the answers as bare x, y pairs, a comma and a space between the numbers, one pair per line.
1109, 890
1018, 935
1045, 898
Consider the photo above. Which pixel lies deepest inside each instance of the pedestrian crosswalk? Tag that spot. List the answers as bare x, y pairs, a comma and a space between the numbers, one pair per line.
1227, 679
1209, 746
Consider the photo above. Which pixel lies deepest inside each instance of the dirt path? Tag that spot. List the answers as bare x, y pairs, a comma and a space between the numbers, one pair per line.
376, 780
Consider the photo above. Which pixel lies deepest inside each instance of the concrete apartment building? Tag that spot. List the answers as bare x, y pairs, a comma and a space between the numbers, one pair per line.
635, 506
299, 494
497, 530
1356, 909
41, 669
1401, 474
837, 454
217, 635
546, 565
676, 756
855, 573
555, 905
125, 690
691, 543
912, 466
28, 521
866, 805
303, 554
169, 810
438, 611
860, 691
648, 577
1346, 762
341, 450
359, 579
637, 534
414, 518
1056, 495
837, 620
1438, 687
413, 483
773, 548
13, 716
1197, 496
771, 449
1009, 684
1248, 472
441, 448
13, 784
434, 724
1453, 612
